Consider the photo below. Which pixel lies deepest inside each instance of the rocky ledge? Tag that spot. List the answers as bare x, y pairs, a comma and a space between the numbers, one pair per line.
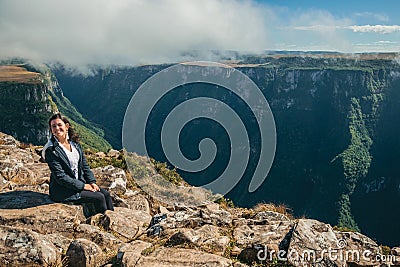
35, 231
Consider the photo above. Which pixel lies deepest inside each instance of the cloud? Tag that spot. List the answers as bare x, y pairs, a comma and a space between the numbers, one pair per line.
318, 30
385, 42
381, 29
376, 16
79, 32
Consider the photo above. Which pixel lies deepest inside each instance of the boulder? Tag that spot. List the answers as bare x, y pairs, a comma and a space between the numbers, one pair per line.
113, 153
7, 141
59, 241
207, 237
310, 238
190, 218
216, 217
82, 252
314, 242
101, 238
247, 234
129, 254
358, 249
112, 178
22, 173
182, 219
21, 165
395, 253
163, 210
138, 202
266, 235
20, 246
124, 222
212, 207
119, 202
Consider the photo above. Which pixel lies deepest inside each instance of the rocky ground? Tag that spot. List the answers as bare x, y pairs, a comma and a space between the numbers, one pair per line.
34, 231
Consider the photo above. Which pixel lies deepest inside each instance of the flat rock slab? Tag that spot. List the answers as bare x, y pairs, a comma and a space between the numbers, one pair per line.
23, 199
179, 257
46, 219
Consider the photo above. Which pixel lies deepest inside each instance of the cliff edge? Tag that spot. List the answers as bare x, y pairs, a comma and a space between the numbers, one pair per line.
142, 232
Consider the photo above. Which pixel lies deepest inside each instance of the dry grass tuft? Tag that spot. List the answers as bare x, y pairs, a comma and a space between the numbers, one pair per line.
280, 208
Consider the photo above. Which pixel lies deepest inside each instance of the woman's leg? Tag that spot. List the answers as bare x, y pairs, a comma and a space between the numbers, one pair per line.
108, 199
101, 200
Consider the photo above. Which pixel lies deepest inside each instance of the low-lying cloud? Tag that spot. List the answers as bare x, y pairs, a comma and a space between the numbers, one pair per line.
79, 32
130, 32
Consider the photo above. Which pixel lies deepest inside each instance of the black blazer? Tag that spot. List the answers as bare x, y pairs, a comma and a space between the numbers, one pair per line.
64, 187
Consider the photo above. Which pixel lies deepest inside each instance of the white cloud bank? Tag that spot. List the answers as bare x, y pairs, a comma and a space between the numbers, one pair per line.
382, 29
77, 32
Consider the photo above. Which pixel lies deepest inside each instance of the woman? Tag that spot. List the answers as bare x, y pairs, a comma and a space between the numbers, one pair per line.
71, 179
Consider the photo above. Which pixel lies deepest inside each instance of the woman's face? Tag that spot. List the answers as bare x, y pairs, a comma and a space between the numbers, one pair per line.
59, 129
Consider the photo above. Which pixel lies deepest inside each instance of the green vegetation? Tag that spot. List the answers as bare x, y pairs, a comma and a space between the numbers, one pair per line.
225, 202
95, 161
90, 139
356, 159
91, 135
346, 219
343, 229
168, 174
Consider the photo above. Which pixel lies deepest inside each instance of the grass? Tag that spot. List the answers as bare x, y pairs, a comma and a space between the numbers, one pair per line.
279, 208
225, 203
385, 250
343, 229
18, 74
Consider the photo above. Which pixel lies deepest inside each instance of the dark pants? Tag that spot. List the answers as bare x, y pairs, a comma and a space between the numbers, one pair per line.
101, 200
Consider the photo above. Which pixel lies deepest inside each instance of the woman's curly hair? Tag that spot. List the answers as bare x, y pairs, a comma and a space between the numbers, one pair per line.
72, 135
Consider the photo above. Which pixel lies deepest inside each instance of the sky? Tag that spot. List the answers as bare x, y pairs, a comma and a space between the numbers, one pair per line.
132, 32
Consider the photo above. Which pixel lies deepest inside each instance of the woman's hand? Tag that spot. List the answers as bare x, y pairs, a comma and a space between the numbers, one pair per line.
95, 187
91, 187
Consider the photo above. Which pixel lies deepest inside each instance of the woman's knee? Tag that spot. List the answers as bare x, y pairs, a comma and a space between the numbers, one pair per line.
105, 192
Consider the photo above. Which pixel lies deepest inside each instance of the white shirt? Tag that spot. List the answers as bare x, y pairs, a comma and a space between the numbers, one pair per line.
73, 157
